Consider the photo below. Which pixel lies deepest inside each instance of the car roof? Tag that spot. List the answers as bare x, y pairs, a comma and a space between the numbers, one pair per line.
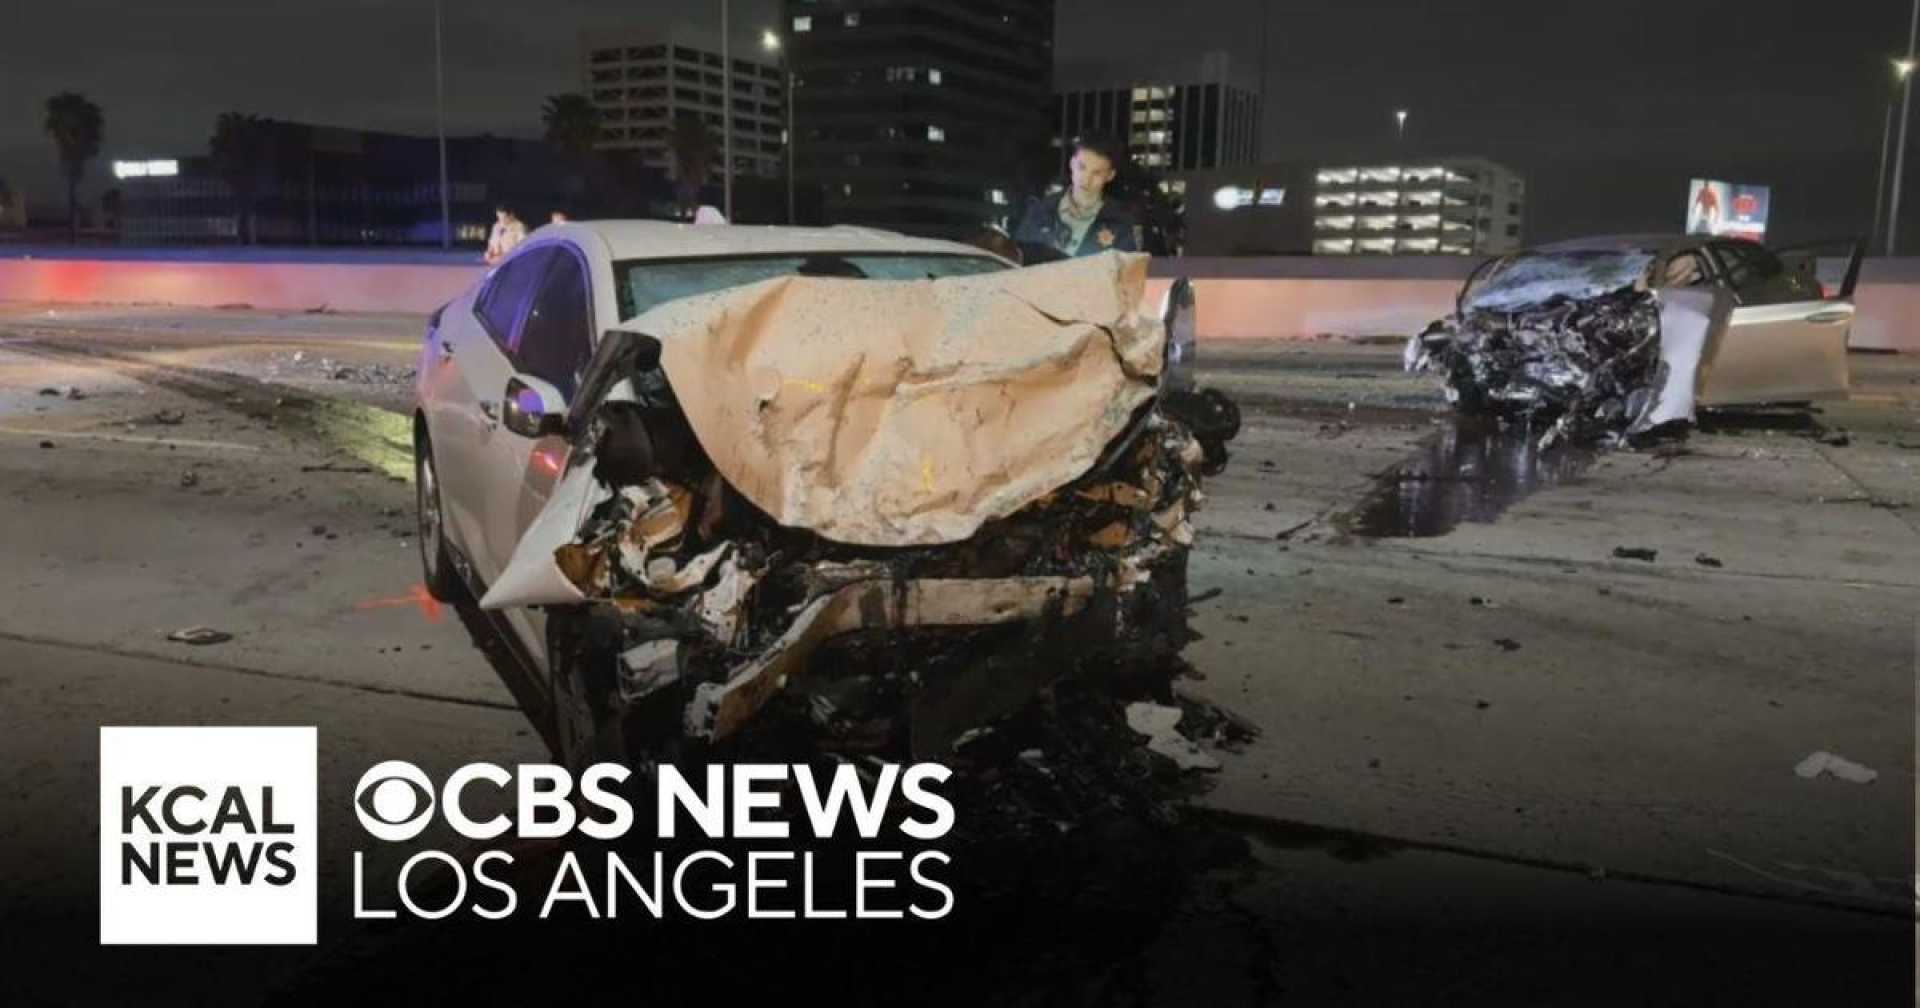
1652, 242
657, 239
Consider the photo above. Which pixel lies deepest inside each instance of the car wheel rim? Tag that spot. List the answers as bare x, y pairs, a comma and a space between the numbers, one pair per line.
429, 508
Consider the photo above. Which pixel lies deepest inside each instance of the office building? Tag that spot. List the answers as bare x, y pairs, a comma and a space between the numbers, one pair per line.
923, 116
641, 81
1444, 206
1177, 118
1379, 206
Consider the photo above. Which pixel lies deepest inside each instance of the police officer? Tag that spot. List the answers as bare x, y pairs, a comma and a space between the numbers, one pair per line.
1080, 220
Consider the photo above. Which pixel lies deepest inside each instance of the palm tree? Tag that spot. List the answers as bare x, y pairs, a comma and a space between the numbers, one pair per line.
241, 146
573, 124
76, 126
694, 148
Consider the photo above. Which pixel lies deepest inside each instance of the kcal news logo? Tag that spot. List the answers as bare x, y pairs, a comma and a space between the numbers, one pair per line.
207, 836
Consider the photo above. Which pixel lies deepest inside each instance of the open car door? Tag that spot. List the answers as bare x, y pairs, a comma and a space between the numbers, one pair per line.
1771, 350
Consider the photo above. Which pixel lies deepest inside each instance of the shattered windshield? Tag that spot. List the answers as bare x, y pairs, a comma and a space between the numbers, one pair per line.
1532, 278
643, 283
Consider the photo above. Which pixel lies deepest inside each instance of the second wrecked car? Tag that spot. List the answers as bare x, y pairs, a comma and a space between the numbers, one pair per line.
1620, 336
887, 485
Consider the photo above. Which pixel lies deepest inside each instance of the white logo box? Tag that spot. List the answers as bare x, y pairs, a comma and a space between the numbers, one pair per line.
212, 759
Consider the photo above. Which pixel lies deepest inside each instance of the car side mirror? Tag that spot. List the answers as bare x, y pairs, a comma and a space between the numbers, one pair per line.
533, 407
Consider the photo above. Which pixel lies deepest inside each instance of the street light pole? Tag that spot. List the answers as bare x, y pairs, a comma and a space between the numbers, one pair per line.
1400, 117
1901, 68
1900, 153
440, 131
1880, 180
726, 98
770, 41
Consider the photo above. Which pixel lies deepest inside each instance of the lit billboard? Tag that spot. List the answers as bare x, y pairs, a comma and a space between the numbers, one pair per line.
1727, 209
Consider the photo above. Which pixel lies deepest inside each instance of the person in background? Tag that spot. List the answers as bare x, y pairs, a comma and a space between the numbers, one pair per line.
1080, 220
508, 233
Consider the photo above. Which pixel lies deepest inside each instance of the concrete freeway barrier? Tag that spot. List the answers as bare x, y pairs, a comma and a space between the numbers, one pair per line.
1299, 297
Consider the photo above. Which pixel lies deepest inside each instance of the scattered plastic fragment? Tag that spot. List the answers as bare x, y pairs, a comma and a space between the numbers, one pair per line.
1635, 553
1845, 769
200, 636
1157, 723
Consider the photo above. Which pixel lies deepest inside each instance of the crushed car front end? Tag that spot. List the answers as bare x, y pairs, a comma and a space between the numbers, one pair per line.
887, 537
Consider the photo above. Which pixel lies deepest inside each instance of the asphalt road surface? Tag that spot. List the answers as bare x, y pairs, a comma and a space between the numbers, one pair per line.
1492, 729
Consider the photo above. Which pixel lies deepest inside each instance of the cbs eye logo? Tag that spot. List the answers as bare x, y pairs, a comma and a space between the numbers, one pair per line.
394, 800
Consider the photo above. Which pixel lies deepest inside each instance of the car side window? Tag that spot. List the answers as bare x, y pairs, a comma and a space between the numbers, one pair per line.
500, 306
1686, 269
1752, 271
555, 338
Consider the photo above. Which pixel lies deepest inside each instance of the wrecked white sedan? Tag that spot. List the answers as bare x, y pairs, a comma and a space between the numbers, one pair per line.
886, 485
1604, 337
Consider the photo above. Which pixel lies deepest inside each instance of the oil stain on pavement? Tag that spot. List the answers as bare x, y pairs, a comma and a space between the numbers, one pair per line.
1467, 470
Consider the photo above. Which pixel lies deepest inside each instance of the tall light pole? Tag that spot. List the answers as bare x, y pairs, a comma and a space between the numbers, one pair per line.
1901, 68
440, 130
1900, 153
1400, 117
770, 41
726, 122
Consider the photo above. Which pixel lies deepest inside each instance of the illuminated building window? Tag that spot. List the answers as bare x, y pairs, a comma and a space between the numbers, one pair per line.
803, 23
852, 20
936, 135
1232, 197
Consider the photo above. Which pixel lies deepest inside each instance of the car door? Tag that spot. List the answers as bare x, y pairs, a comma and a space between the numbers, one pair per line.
1780, 343
552, 342
468, 378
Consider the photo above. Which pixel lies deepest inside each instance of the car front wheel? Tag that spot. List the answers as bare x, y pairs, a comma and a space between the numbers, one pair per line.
436, 557
588, 727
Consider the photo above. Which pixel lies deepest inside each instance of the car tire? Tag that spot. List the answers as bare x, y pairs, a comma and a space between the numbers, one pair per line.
588, 727
437, 570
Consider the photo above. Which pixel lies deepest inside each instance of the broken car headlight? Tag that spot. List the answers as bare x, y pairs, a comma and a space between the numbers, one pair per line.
1182, 322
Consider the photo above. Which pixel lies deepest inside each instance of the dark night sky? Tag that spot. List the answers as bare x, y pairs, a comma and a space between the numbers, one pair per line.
1606, 107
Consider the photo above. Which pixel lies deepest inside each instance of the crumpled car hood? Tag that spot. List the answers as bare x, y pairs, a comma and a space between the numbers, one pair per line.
1533, 279
910, 413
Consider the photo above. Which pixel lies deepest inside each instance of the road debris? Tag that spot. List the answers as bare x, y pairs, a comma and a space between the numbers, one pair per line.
169, 417
1157, 723
1507, 643
1635, 553
1837, 438
1707, 561
189, 479
1288, 533
1824, 762
200, 636
336, 467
